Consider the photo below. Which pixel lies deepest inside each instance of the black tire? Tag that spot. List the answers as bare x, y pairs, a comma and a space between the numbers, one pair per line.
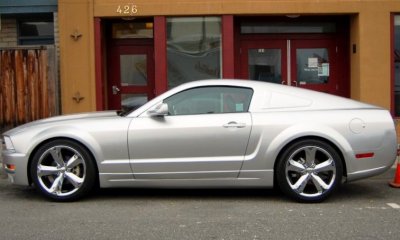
309, 170
63, 170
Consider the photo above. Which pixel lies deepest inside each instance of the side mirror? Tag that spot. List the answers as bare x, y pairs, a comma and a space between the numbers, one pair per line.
159, 111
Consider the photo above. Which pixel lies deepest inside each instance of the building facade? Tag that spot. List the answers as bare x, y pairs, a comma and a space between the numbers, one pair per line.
119, 54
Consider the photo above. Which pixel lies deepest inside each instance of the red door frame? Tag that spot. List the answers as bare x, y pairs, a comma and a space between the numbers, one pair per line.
160, 53
99, 46
129, 46
228, 46
101, 43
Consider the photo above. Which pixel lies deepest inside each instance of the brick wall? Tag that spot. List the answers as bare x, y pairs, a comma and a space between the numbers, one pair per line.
8, 32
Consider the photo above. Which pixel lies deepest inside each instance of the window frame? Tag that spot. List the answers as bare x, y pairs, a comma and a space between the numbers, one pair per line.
35, 40
246, 104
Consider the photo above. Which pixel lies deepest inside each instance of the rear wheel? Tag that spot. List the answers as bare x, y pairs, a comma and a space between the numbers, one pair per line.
309, 171
63, 170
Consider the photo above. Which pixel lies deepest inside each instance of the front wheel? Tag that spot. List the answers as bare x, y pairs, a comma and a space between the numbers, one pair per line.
63, 170
309, 171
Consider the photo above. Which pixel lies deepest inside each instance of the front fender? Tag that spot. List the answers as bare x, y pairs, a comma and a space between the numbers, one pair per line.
106, 140
72, 133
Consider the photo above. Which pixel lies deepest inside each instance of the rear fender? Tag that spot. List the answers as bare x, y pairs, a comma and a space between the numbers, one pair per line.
306, 131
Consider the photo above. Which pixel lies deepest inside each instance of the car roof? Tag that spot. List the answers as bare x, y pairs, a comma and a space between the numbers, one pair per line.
274, 96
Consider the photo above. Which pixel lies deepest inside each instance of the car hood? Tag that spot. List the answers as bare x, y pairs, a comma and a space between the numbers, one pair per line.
63, 118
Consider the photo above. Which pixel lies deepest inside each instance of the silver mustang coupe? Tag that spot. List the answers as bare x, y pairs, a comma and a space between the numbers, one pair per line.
208, 134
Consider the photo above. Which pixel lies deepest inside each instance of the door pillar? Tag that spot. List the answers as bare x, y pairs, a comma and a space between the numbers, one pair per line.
98, 47
160, 55
228, 48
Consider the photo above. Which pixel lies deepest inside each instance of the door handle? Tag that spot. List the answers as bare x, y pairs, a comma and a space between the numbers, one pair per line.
234, 125
115, 90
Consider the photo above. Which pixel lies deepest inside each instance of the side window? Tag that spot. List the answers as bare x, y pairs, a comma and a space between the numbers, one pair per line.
210, 100
36, 30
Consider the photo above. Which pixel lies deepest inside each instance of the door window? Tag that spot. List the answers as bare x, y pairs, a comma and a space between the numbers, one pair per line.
210, 100
265, 65
312, 66
133, 70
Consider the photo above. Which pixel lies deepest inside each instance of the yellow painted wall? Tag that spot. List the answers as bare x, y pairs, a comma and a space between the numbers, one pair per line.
370, 31
77, 56
374, 58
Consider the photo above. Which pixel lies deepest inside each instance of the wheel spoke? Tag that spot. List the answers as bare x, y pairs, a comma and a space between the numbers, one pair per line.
57, 156
310, 155
56, 187
74, 179
74, 161
325, 166
295, 166
319, 183
301, 183
43, 170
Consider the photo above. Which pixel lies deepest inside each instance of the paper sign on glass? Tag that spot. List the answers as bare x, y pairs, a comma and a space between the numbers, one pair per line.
323, 71
239, 107
312, 62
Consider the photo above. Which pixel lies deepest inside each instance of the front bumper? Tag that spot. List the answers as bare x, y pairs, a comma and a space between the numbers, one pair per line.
19, 173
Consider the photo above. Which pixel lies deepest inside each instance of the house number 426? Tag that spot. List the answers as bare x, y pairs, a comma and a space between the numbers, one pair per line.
129, 9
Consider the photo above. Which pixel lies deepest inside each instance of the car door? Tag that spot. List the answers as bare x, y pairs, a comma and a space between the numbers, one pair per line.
204, 135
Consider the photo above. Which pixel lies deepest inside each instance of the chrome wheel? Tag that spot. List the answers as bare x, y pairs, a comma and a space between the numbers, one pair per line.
63, 170
309, 170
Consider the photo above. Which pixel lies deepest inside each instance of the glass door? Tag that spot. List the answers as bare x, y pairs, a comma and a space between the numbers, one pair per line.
131, 77
309, 63
314, 65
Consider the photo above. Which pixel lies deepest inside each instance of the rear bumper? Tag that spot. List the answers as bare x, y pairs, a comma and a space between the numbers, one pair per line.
366, 173
384, 156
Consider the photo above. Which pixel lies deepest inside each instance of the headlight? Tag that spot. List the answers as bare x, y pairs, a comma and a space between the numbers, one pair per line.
7, 143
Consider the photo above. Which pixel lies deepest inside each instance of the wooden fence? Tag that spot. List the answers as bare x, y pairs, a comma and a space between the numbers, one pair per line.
28, 89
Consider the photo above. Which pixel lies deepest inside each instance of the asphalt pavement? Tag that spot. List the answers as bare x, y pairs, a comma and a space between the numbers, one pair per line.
367, 209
